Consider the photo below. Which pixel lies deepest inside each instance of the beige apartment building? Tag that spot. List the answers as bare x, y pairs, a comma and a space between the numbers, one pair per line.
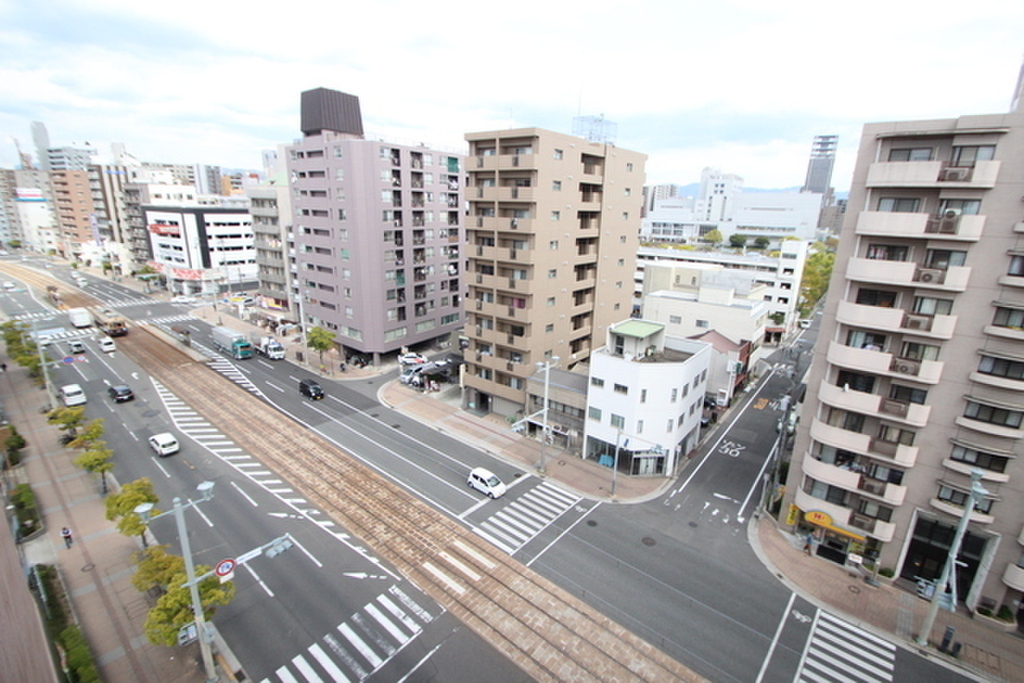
918, 374
552, 234
72, 198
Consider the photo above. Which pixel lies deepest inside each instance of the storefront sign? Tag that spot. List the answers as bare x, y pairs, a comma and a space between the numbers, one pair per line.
818, 517
791, 515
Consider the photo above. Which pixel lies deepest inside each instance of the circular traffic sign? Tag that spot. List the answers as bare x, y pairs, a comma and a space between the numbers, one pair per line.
224, 567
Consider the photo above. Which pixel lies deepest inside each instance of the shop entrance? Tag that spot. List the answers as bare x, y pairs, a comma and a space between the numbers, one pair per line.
929, 548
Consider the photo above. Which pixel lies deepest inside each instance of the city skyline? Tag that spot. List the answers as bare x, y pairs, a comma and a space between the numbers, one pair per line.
736, 86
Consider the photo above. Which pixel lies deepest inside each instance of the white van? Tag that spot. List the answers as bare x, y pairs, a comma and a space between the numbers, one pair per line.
485, 482
72, 395
164, 444
107, 345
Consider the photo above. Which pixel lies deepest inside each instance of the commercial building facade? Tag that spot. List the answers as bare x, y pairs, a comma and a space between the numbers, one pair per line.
552, 237
918, 374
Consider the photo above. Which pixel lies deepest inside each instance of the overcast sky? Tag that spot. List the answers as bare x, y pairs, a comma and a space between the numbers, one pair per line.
742, 85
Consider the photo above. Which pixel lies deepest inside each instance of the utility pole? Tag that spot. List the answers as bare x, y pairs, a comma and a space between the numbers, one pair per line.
977, 492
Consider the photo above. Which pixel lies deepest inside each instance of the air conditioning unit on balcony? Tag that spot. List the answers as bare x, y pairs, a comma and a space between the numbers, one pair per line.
929, 275
951, 213
906, 367
955, 174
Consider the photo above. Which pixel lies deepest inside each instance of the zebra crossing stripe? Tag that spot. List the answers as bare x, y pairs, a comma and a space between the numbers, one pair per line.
474, 554
398, 613
285, 675
461, 567
498, 538
372, 657
374, 635
386, 624
864, 635
306, 670
329, 666
345, 656
841, 646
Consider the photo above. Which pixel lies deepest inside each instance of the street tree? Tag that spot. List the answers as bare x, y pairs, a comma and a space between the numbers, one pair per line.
761, 242
97, 461
155, 568
319, 339
713, 236
174, 608
68, 419
121, 507
737, 241
90, 435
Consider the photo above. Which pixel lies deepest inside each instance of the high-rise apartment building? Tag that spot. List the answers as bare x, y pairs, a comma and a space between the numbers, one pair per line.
75, 214
918, 375
376, 229
819, 167
551, 239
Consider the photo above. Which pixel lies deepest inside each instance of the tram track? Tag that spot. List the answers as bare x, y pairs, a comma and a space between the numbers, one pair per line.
549, 633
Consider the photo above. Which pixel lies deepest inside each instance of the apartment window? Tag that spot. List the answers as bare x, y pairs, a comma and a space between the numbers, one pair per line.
908, 394
594, 413
643, 396
887, 252
874, 510
669, 426
556, 215
959, 498
675, 395
596, 382
1009, 317
629, 165
1016, 265
617, 421
1003, 417
968, 155
675, 320
552, 274
553, 245
551, 301
972, 456
860, 339
930, 306
550, 327
556, 185
622, 239
891, 434
621, 389
968, 207
342, 215
911, 154
1001, 367
944, 258
876, 297
627, 191
621, 262
639, 426
625, 215
559, 154
899, 204
826, 492
702, 323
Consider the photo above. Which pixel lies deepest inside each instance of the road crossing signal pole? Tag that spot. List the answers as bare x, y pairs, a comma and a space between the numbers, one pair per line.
977, 492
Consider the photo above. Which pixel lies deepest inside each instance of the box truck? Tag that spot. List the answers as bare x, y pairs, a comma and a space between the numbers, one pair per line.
231, 342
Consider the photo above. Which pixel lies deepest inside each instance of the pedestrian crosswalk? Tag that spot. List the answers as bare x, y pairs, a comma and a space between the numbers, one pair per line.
360, 645
35, 315
167, 319
839, 651
514, 526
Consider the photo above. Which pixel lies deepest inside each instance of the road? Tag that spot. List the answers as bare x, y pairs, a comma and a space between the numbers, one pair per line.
677, 571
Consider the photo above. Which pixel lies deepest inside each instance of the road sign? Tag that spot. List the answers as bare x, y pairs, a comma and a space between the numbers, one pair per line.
224, 568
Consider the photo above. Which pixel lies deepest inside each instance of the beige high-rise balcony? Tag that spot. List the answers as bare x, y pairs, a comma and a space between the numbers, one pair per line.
862, 444
908, 274
922, 225
912, 414
932, 174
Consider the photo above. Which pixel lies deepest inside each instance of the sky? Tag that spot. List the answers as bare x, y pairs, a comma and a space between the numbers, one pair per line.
740, 85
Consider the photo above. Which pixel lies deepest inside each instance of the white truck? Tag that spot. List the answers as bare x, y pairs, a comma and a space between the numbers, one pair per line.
80, 317
270, 347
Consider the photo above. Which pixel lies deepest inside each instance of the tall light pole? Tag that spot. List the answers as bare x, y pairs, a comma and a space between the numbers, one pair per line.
144, 512
546, 367
615, 459
977, 492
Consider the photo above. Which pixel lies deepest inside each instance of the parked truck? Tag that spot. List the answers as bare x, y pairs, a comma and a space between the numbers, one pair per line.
80, 317
111, 322
270, 347
231, 342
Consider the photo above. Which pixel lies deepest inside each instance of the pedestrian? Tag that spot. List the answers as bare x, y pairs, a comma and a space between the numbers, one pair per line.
343, 366
808, 542
65, 533
3, 367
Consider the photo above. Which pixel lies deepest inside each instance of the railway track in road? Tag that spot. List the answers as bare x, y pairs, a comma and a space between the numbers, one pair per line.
549, 633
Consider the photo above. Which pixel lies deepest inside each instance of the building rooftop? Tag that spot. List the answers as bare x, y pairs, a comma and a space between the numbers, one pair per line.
641, 329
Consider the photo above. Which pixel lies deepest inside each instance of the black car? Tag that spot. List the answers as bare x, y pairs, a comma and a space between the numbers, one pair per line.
311, 389
121, 393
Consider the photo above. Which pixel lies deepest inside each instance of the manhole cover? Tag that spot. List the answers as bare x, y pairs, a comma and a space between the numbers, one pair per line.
591, 522
150, 413
89, 567
854, 589
374, 415
396, 426
561, 463
693, 524
648, 541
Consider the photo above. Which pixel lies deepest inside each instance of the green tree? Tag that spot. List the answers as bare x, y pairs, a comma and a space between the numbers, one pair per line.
814, 281
90, 435
68, 419
319, 339
737, 241
761, 242
712, 236
174, 608
121, 507
97, 461
156, 568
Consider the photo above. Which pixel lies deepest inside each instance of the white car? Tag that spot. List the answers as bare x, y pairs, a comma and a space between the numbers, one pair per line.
8, 286
183, 299
484, 481
107, 345
412, 359
164, 444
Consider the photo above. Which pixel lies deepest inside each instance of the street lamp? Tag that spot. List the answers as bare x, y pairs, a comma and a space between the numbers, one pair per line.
977, 492
546, 367
144, 511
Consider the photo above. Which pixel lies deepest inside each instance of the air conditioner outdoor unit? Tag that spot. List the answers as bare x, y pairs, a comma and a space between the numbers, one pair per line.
955, 174
951, 213
929, 275
917, 322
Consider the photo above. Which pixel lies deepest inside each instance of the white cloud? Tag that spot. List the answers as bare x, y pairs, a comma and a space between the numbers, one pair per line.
210, 82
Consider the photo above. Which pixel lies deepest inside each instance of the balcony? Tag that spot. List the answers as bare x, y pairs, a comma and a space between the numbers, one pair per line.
896, 320
932, 174
958, 511
506, 161
966, 468
872, 404
925, 371
897, 454
989, 428
520, 194
923, 225
875, 528
907, 274
1014, 577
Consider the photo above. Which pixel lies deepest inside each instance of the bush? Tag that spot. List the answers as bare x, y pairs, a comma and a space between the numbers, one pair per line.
25, 509
1005, 613
887, 572
79, 658
14, 443
984, 611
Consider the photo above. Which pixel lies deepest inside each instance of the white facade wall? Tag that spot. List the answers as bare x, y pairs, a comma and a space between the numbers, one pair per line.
684, 315
662, 404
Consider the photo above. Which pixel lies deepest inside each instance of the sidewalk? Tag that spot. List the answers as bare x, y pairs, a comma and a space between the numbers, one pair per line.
989, 652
